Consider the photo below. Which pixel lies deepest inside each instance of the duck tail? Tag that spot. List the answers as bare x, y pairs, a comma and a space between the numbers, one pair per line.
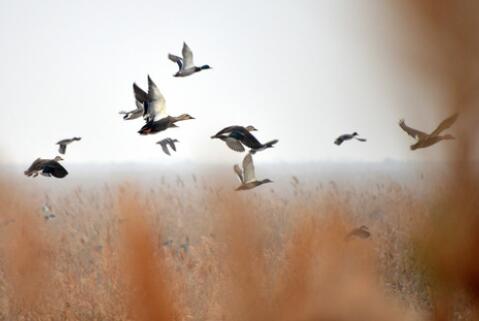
271, 143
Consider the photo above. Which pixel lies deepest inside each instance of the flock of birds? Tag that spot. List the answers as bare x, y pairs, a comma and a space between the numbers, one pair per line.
151, 106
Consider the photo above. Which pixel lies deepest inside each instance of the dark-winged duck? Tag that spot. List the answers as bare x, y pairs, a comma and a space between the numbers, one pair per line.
64, 142
247, 175
426, 140
164, 143
237, 136
346, 137
47, 167
186, 67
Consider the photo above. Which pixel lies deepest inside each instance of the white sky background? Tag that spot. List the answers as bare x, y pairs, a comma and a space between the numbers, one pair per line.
300, 71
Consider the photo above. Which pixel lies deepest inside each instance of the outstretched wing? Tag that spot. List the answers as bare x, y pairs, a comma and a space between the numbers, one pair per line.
176, 59
445, 124
164, 147
234, 144
238, 172
361, 139
140, 94
170, 142
156, 102
248, 169
187, 56
414, 133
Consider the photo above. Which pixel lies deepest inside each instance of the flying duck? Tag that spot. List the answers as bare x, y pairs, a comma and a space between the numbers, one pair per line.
186, 66
64, 142
426, 140
153, 102
237, 136
135, 113
247, 175
346, 137
168, 142
362, 232
153, 127
47, 167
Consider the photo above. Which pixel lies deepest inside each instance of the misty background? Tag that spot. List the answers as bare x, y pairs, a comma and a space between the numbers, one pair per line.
302, 72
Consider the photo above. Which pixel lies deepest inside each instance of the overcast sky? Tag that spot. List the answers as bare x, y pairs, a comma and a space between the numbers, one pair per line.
303, 72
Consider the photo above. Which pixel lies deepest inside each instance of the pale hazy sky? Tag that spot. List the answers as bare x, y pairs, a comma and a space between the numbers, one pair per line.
300, 71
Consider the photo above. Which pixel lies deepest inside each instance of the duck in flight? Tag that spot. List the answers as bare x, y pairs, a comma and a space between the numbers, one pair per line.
65, 142
425, 140
236, 137
247, 175
346, 137
153, 102
186, 67
47, 167
135, 113
153, 127
164, 143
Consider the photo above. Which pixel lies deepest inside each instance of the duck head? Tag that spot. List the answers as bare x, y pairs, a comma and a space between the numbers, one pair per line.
355, 134
184, 117
204, 67
251, 128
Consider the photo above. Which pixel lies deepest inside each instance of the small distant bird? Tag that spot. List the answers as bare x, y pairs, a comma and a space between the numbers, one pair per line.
47, 213
164, 143
64, 142
426, 140
135, 113
237, 136
346, 137
154, 104
186, 66
362, 232
47, 167
247, 175
153, 127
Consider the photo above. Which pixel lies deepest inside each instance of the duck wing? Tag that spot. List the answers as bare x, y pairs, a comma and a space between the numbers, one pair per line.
164, 147
170, 142
140, 94
414, 133
226, 130
445, 124
234, 144
239, 172
187, 56
245, 137
248, 169
156, 102
54, 168
176, 59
